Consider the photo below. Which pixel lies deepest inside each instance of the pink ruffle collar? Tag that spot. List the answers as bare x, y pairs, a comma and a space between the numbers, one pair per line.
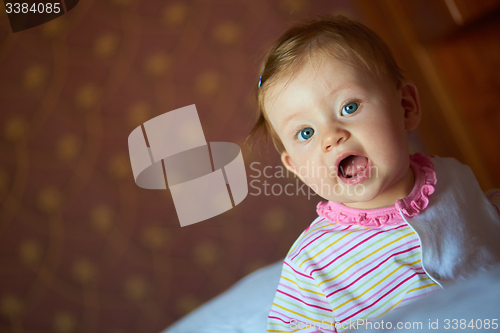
416, 201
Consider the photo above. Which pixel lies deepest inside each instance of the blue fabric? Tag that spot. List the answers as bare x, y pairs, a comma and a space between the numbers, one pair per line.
241, 309
476, 299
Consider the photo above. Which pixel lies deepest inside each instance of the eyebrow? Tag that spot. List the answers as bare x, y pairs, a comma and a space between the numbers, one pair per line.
290, 117
296, 114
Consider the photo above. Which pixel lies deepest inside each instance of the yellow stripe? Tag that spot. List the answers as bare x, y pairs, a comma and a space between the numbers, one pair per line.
392, 307
376, 284
299, 314
422, 287
389, 309
305, 235
295, 283
317, 254
360, 260
300, 329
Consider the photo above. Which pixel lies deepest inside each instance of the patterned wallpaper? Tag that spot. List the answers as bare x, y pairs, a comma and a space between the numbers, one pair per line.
82, 248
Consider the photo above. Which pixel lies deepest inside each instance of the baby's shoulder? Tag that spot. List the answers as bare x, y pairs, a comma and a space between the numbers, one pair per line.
310, 240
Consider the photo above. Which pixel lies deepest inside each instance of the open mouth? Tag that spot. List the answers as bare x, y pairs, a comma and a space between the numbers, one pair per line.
353, 166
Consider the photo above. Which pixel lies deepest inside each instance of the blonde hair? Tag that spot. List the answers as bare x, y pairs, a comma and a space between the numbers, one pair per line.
339, 37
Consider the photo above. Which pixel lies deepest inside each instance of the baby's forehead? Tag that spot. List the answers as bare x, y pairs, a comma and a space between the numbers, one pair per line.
332, 74
329, 74
314, 66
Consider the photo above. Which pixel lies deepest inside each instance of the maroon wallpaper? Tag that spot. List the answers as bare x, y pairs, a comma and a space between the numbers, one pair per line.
82, 248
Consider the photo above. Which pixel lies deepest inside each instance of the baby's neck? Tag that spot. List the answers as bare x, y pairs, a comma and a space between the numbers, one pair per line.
388, 198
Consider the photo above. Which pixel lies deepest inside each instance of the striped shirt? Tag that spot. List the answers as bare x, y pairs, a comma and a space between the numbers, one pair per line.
353, 265
336, 274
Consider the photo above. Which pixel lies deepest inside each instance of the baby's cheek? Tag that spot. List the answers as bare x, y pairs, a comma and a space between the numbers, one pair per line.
389, 139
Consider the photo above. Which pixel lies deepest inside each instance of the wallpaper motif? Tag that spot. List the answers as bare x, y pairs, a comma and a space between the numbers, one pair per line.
82, 248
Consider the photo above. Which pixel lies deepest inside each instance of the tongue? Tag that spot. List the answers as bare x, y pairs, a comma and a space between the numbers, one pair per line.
353, 165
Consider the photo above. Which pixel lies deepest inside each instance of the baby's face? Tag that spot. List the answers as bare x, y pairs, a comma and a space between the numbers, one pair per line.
345, 133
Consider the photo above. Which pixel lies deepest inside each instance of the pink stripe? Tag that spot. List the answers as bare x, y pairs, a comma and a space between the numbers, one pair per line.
280, 314
315, 232
303, 296
315, 264
296, 320
371, 270
355, 246
307, 276
298, 299
271, 317
382, 297
388, 284
496, 207
418, 296
495, 193
323, 230
325, 233
371, 262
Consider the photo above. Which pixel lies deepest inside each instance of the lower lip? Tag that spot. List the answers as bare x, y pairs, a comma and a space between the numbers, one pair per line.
361, 177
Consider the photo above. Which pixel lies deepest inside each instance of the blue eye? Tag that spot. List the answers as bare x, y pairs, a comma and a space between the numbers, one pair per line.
305, 134
349, 109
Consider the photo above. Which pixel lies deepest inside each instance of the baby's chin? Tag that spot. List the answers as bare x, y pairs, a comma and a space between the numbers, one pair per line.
352, 196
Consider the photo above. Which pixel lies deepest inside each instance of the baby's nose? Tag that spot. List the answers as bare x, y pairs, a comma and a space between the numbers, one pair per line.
334, 138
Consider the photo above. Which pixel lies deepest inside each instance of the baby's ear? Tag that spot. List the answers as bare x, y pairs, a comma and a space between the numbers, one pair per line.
288, 163
411, 105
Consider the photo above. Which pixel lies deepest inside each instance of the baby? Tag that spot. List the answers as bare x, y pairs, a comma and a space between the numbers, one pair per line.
396, 226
